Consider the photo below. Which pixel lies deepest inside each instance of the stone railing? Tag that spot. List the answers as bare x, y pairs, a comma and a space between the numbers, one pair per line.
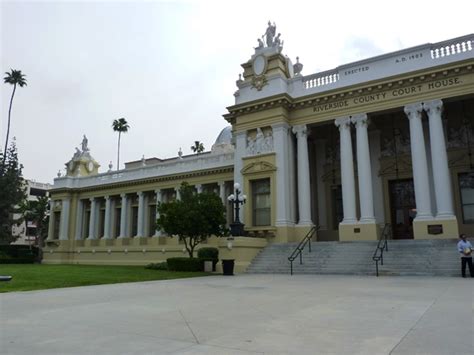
452, 47
320, 79
175, 166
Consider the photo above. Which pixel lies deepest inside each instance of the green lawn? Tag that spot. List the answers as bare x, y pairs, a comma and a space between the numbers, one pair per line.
27, 277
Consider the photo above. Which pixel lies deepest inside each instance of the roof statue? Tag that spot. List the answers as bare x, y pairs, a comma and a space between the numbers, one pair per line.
298, 67
270, 40
270, 34
84, 144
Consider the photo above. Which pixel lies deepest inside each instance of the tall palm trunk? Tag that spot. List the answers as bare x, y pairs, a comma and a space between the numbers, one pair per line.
118, 152
8, 125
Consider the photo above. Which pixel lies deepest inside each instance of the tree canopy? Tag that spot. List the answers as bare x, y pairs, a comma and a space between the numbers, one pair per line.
192, 218
12, 193
198, 147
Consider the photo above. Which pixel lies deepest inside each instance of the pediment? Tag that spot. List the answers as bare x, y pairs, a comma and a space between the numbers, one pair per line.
257, 167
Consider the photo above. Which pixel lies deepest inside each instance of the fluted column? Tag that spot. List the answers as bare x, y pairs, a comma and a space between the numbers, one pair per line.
107, 219
304, 190
178, 194
281, 143
140, 214
158, 200
51, 220
123, 216
347, 171
439, 160
92, 220
79, 219
364, 169
64, 222
419, 163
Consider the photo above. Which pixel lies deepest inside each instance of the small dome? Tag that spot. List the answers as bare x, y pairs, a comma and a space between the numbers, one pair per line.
225, 137
224, 141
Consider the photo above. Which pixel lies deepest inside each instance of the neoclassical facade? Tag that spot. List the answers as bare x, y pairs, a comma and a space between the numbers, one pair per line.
384, 140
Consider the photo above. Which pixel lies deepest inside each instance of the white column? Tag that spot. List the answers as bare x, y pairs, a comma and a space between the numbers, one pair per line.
158, 200
107, 219
222, 192
364, 170
281, 140
178, 194
419, 163
140, 214
347, 171
199, 188
79, 218
441, 177
64, 223
123, 216
239, 153
92, 220
51, 220
304, 190
320, 147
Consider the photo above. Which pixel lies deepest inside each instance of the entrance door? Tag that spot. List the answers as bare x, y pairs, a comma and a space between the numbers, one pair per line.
402, 207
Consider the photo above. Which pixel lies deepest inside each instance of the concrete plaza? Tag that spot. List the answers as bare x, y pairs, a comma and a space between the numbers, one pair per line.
245, 314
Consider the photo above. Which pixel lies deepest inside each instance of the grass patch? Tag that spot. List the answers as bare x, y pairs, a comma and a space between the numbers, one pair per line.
27, 277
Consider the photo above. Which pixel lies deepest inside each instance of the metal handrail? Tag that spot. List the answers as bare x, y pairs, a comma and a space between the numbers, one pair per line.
298, 250
381, 246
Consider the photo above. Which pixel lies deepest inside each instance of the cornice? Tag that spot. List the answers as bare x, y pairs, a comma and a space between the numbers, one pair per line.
158, 179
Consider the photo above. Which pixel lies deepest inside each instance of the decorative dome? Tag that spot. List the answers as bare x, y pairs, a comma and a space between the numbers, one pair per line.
223, 142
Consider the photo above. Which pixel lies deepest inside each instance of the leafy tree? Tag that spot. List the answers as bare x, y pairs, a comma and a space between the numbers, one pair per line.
198, 147
121, 126
37, 212
14, 77
193, 218
12, 193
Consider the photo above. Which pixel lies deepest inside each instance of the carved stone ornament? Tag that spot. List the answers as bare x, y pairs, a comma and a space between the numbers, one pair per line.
257, 167
262, 143
258, 82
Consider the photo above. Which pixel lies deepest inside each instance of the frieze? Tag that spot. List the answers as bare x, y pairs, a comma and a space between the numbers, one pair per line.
393, 93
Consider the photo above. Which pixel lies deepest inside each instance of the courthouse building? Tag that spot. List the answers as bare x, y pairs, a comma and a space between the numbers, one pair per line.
385, 140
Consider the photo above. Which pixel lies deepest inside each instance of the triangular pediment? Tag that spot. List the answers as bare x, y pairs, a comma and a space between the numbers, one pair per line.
257, 167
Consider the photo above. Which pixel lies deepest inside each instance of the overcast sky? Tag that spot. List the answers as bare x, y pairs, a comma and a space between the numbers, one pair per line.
169, 67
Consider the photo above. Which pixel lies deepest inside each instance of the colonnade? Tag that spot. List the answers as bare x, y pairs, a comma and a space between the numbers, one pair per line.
91, 231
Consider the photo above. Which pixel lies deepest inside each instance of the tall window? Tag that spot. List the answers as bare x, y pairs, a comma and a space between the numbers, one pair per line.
261, 199
466, 186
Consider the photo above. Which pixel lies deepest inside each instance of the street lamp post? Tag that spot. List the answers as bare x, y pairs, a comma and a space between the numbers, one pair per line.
237, 199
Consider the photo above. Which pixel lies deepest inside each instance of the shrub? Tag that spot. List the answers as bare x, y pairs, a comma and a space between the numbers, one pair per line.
157, 266
209, 254
18, 254
185, 264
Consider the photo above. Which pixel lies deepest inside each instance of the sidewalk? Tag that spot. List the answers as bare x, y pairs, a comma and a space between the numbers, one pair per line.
245, 314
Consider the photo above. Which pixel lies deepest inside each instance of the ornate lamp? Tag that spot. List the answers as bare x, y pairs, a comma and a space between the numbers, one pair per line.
237, 199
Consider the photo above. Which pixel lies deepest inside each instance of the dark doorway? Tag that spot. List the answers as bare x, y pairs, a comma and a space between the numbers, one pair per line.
402, 208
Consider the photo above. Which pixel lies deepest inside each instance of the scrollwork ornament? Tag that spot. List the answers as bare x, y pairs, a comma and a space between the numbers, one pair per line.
258, 82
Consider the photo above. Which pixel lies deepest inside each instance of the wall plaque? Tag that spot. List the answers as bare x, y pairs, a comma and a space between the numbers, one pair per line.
435, 229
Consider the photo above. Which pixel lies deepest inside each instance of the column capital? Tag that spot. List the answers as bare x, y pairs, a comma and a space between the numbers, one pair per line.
140, 193
107, 197
360, 120
301, 131
92, 199
221, 183
343, 122
158, 191
433, 106
123, 195
281, 126
413, 110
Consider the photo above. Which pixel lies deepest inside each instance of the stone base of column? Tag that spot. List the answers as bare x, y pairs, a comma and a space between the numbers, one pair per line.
140, 240
436, 228
91, 242
284, 234
358, 232
300, 231
106, 242
158, 240
121, 241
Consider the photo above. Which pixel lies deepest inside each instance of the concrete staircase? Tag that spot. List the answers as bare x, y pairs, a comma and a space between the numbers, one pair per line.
404, 257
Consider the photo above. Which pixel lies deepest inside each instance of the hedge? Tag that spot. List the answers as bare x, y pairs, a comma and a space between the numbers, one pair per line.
18, 254
185, 264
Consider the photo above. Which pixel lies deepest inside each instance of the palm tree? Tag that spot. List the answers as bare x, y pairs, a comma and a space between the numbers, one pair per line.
198, 147
14, 77
120, 126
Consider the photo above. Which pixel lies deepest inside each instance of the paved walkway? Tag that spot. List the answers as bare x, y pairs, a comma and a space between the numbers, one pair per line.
246, 314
